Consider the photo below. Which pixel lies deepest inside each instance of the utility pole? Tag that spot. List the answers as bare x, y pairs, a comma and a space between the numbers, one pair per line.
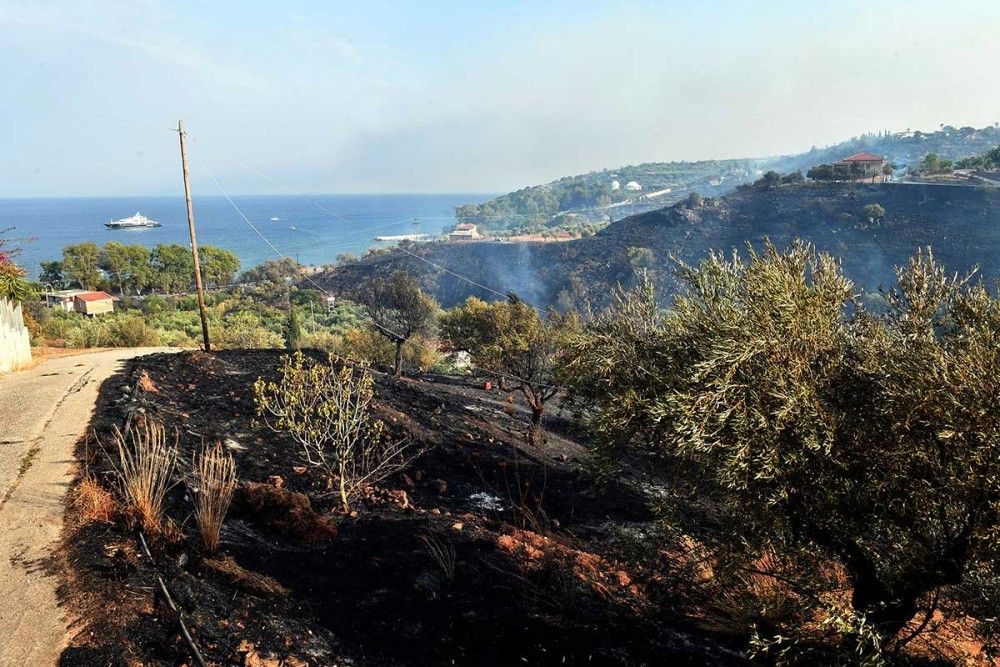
194, 240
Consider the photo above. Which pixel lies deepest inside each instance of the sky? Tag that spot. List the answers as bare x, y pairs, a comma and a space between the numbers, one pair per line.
432, 96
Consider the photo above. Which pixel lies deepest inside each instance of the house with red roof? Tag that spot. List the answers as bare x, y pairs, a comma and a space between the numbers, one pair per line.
862, 167
93, 303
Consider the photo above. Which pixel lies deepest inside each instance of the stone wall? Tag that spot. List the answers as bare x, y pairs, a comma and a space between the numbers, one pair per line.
15, 346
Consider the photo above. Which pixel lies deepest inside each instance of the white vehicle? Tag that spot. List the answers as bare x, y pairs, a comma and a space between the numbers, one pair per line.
137, 221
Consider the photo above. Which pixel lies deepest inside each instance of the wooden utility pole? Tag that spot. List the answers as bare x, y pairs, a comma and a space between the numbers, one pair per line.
194, 240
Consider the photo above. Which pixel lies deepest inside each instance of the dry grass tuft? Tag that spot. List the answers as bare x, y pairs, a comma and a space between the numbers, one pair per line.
215, 479
147, 463
252, 582
443, 554
94, 502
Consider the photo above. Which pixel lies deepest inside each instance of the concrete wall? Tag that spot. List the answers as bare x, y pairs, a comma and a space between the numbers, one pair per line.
15, 346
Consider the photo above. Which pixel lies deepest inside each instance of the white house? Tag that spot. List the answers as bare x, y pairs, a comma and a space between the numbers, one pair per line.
63, 299
615, 185
633, 186
464, 232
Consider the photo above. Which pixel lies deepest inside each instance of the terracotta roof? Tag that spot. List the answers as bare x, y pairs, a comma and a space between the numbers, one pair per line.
863, 157
465, 226
93, 296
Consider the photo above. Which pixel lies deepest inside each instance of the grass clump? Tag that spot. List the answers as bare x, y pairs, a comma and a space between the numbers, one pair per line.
94, 502
215, 479
147, 464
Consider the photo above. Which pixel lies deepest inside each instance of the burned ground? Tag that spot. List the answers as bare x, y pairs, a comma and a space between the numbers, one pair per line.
534, 577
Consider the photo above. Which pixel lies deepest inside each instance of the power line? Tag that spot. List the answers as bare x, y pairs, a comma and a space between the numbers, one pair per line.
329, 212
325, 292
257, 231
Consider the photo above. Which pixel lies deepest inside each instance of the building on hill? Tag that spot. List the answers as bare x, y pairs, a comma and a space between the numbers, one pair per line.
858, 168
63, 299
862, 167
81, 301
464, 231
93, 303
633, 186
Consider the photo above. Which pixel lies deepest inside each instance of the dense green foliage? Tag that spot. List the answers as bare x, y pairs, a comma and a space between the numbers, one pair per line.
135, 269
933, 164
510, 338
790, 421
987, 161
235, 321
13, 286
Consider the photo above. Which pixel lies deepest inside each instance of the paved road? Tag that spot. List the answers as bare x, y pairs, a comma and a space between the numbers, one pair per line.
43, 412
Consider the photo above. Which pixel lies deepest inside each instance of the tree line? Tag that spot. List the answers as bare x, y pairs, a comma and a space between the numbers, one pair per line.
135, 269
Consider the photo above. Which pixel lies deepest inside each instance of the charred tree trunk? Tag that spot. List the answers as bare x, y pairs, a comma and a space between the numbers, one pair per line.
536, 415
398, 366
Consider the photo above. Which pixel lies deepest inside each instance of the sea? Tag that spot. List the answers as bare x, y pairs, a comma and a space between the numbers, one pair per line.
313, 230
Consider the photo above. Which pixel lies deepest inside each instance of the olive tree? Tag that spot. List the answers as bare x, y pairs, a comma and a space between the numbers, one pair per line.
511, 339
398, 310
806, 427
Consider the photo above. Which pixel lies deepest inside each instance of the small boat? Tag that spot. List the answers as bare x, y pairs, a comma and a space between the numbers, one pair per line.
137, 221
291, 227
275, 219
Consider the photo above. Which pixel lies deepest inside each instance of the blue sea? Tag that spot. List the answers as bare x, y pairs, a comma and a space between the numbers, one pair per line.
303, 230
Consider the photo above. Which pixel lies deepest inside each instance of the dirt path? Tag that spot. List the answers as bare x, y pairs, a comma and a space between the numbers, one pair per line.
43, 412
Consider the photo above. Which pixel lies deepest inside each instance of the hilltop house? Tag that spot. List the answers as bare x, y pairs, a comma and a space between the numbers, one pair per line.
464, 231
862, 167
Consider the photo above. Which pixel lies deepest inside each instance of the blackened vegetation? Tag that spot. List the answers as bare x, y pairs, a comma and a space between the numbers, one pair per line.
959, 222
525, 571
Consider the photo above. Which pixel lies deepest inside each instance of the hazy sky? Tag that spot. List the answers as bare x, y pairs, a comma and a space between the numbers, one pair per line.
426, 96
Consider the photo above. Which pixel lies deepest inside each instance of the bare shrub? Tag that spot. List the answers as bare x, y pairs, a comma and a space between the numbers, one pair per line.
147, 463
214, 474
327, 412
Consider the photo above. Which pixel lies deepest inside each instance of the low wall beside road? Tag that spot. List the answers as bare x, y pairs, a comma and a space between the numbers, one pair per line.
15, 344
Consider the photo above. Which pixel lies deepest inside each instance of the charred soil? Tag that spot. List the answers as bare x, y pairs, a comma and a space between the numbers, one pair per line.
484, 551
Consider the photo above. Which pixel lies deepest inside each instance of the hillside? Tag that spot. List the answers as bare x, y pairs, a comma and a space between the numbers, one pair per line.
960, 223
591, 197
302, 584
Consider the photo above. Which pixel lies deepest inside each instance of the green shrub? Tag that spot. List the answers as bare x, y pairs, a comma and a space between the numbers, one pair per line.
245, 330
13, 286
790, 420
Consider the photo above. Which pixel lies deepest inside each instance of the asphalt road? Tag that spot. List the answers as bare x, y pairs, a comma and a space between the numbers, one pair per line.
43, 413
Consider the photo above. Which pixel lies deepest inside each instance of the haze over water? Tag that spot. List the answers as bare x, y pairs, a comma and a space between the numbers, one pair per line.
317, 237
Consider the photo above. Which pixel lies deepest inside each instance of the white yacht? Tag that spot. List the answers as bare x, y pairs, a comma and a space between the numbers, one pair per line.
136, 221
